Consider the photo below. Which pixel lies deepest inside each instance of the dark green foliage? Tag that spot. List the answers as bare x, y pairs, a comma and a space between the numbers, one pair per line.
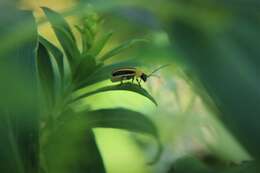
19, 123
71, 147
67, 141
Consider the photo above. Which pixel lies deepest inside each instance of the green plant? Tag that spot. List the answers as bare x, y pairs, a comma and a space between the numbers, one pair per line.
67, 140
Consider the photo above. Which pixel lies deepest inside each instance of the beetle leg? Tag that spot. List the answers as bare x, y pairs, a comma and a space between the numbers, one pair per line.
133, 79
138, 82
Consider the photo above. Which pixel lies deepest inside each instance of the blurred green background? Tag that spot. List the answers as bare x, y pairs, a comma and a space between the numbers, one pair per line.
208, 98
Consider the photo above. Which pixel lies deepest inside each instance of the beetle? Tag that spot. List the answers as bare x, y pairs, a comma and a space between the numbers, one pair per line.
132, 73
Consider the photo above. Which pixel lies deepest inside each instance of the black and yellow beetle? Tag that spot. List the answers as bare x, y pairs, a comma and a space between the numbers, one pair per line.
132, 73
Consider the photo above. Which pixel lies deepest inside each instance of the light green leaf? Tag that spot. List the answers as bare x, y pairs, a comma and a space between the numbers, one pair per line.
125, 87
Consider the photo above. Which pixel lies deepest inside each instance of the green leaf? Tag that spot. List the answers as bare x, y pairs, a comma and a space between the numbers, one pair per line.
125, 87
72, 147
85, 68
58, 21
86, 37
121, 48
104, 73
45, 72
67, 80
120, 118
64, 35
57, 54
99, 44
49, 75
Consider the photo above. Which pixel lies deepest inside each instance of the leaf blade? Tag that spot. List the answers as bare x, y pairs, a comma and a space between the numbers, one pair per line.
57, 54
49, 75
124, 87
127, 120
64, 35
45, 73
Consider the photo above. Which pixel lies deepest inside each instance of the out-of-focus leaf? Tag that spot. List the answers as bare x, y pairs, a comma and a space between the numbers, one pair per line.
124, 119
64, 35
72, 147
104, 73
228, 68
99, 44
126, 87
121, 48
19, 118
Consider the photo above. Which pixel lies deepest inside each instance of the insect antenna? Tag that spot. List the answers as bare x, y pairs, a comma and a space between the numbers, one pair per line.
159, 68
154, 75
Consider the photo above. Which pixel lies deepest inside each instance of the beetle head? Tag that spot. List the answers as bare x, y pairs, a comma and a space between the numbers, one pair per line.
144, 77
